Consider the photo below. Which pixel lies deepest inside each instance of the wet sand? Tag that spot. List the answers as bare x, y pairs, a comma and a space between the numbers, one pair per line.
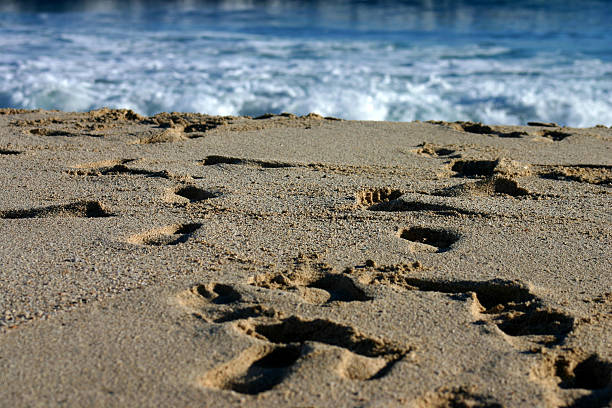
192, 260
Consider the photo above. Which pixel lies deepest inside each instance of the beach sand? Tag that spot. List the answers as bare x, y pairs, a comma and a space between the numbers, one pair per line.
191, 260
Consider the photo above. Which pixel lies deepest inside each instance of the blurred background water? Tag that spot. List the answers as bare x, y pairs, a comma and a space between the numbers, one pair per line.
492, 61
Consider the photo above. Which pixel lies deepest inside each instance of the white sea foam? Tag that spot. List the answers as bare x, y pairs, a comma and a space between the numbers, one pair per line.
241, 74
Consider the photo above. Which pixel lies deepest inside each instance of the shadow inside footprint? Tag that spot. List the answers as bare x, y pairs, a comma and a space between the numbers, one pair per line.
295, 330
400, 205
266, 164
582, 173
440, 239
215, 159
115, 168
533, 321
577, 371
488, 187
194, 194
171, 235
555, 135
256, 370
490, 294
246, 313
9, 152
86, 209
268, 371
474, 168
434, 150
340, 288
219, 293
592, 373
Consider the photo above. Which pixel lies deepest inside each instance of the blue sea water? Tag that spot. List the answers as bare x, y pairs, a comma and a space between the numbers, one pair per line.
491, 61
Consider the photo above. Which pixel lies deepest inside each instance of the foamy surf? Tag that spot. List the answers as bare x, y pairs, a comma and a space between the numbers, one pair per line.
251, 61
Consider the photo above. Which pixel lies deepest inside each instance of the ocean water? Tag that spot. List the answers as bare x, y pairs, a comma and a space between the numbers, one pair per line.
491, 61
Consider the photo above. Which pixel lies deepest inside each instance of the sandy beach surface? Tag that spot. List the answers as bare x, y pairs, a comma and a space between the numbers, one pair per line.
191, 260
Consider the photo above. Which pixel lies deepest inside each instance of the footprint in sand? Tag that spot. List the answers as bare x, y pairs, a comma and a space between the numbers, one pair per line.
496, 185
456, 397
171, 135
85, 209
425, 239
510, 305
389, 200
7, 152
474, 168
582, 173
257, 369
218, 293
554, 135
169, 235
523, 317
188, 193
315, 282
434, 150
488, 168
481, 129
41, 131
266, 164
575, 375
282, 344
370, 197
114, 168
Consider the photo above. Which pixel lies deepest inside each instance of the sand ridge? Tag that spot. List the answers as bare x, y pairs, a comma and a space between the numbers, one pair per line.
187, 259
